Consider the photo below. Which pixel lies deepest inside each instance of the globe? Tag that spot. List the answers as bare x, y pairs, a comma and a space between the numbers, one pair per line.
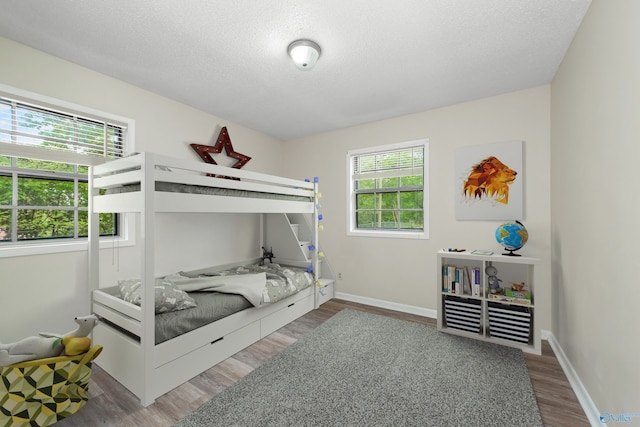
512, 236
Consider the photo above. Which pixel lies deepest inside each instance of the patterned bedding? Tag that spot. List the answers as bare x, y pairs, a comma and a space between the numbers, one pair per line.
280, 282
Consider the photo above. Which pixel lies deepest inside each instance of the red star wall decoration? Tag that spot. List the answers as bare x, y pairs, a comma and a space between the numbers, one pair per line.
205, 151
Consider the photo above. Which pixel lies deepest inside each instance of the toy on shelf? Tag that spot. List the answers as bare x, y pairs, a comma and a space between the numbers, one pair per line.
518, 287
492, 279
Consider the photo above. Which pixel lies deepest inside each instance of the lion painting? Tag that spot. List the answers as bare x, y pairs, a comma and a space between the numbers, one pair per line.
490, 178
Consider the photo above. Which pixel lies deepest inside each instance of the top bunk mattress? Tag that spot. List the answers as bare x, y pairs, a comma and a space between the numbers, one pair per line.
171, 187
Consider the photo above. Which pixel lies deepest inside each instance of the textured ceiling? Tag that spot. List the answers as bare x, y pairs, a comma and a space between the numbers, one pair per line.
380, 58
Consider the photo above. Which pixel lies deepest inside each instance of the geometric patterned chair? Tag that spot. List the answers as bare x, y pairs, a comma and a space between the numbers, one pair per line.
43, 391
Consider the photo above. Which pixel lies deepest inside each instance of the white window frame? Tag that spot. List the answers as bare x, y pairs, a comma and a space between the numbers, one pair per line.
351, 196
126, 235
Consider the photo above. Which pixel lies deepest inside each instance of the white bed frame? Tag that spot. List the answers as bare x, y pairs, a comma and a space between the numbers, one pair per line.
150, 370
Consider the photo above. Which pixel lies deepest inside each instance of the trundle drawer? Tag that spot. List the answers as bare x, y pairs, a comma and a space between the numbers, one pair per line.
278, 319
176, 372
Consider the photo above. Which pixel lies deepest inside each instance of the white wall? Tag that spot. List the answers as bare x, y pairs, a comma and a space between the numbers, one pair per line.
403, 271
595, 136
46, 292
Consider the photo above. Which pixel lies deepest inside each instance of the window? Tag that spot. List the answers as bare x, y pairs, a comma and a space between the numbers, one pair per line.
45, 152
388, 191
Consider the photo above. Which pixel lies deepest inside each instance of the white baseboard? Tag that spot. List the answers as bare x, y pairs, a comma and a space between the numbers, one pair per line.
388, 305
592, 413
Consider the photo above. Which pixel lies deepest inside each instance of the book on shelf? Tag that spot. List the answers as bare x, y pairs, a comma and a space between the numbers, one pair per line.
458, 283
467, 282
445, 278
452, 279
475, 282
461, 280
517, 294
449, 278
511, 300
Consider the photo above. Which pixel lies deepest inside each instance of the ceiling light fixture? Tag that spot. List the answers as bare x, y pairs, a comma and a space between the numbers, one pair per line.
304, 53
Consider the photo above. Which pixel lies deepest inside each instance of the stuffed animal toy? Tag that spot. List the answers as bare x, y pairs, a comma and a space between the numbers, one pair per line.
30, 348
267, 254
518, 287
85, 326
49, 345
75, 345
493, 280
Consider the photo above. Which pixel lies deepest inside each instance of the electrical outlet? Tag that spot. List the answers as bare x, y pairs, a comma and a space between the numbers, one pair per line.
339, 276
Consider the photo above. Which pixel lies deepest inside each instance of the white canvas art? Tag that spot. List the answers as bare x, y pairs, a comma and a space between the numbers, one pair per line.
489, 181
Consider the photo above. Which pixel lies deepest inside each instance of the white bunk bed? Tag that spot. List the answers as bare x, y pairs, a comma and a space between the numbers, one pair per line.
127, 331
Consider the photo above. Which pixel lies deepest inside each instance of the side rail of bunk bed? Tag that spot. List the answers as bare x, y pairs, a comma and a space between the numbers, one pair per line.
132, 171
133, 335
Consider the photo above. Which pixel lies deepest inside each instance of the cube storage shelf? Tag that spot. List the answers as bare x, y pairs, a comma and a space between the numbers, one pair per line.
474, 312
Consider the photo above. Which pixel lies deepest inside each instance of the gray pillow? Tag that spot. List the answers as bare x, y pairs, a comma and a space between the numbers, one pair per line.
168, 297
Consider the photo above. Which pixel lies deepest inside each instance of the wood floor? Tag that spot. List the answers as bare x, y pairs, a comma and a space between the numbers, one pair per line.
111, 404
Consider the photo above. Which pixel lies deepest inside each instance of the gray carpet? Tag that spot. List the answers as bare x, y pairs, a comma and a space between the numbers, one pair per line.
361, 369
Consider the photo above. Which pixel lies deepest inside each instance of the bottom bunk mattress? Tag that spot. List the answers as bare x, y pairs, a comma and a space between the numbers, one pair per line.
209, 307
188, 300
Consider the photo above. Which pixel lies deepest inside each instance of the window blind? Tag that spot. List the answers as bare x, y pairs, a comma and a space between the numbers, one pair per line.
34, 131
407, 161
